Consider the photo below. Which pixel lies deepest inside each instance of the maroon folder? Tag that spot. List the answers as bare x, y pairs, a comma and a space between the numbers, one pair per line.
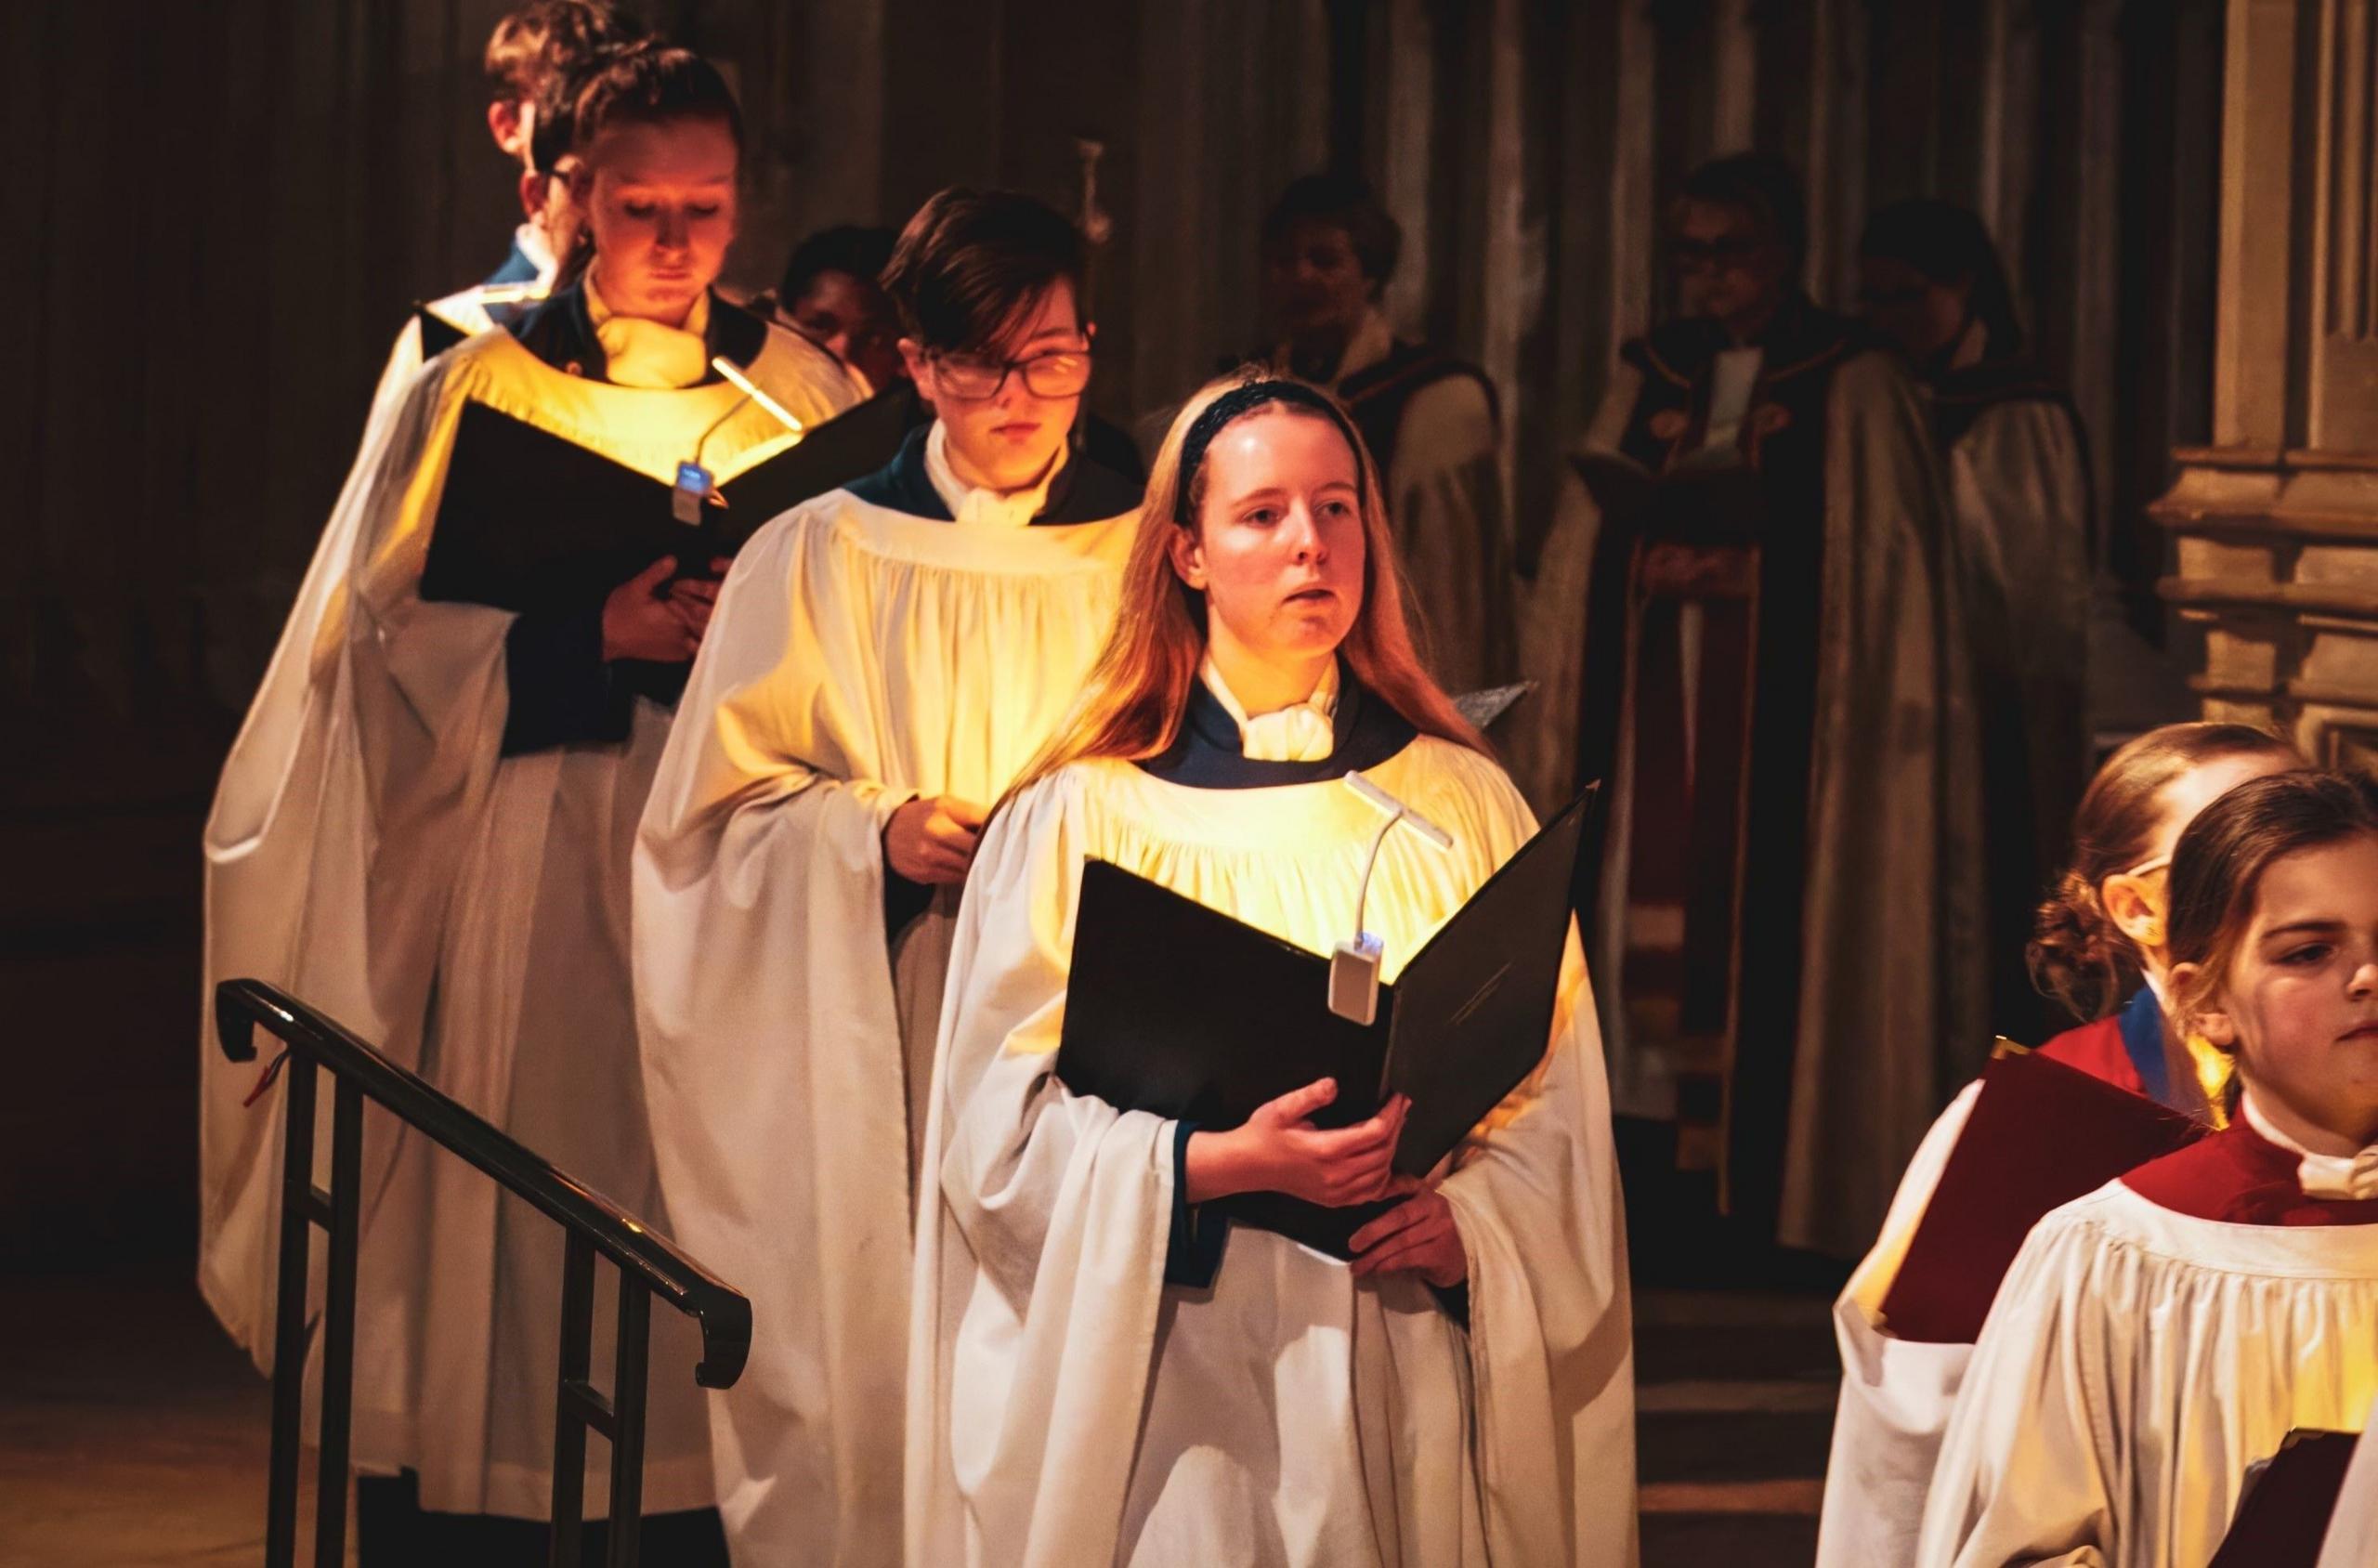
2283, 1512
2041, 1135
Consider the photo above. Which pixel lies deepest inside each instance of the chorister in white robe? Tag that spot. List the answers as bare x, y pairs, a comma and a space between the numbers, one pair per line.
1896, 1394
2352, 1540
896, 639
1067, 1406
2151, 1341
377, 849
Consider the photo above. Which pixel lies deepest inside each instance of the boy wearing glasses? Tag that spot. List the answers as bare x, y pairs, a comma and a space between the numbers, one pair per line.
1774, 678
882, 661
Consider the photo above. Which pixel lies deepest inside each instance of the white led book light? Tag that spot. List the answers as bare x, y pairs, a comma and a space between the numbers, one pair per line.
1354, 967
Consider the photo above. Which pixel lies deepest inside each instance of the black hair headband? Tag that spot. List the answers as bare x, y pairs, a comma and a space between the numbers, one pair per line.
1235, 404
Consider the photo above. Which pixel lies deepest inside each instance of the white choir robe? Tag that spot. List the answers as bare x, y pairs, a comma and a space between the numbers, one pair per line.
1445, 496
1896, 1394
1067, 1407
371, 850
860, 657
2018, 485
2135, 1361
2352, 1540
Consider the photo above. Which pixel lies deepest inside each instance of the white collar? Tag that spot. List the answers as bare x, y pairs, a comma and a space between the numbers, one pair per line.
637, 352
976, 505
2330, 1176
1302, 732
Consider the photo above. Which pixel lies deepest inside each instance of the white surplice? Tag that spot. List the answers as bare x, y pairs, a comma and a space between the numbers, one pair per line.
2136, 1362
860, 657
1066, 1407
1896, 1394
372, 850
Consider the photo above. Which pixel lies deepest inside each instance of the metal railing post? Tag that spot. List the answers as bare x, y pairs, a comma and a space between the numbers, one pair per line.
569, 1397
297, 1203
338, 1323
635, 1346
648, 1266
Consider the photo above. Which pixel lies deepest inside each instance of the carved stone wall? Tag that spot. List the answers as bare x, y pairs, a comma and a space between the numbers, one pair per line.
2276, 522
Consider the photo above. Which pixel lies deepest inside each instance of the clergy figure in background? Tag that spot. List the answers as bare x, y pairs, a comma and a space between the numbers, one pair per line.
1103, 1369
425, 825
884, 660
1330, 249
1773, 681
2019, 488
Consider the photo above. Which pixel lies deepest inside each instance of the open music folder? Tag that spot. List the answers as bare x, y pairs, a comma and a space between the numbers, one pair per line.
2041, 1134
1182, 1010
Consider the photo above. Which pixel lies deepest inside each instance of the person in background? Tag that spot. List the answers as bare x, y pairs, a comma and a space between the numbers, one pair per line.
2018, 483
1772, 679
1328, 251
833, 295
530, 57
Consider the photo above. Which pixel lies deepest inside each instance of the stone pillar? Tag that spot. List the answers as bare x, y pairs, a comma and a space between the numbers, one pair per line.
2276, 522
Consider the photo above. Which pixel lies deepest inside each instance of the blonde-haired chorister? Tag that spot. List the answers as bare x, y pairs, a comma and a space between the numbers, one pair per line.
1095, 1376
2156, 1337
2101, 950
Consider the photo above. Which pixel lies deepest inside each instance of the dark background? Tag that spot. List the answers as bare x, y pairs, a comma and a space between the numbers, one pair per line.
219, 213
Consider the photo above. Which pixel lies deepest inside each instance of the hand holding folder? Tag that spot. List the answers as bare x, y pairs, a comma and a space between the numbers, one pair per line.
1180, 1009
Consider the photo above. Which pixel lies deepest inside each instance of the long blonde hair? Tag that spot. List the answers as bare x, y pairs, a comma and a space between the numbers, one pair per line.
1131, 705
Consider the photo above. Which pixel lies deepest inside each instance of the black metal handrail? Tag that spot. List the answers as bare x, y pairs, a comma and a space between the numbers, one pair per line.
649, 1266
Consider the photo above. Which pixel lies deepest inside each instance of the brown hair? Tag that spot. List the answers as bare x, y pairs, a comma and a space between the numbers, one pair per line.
971, 263
2217, 867
650, 84
537, 43
1131, 704
2077, 954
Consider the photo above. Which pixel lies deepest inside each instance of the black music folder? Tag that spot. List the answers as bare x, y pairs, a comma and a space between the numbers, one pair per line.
1180, 1010
2284, 1511
529, 518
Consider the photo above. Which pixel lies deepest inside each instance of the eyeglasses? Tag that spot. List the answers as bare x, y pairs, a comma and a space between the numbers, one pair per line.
1061, 373
2148, 867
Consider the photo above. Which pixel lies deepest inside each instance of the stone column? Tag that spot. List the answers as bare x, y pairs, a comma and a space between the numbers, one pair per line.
2277, 521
